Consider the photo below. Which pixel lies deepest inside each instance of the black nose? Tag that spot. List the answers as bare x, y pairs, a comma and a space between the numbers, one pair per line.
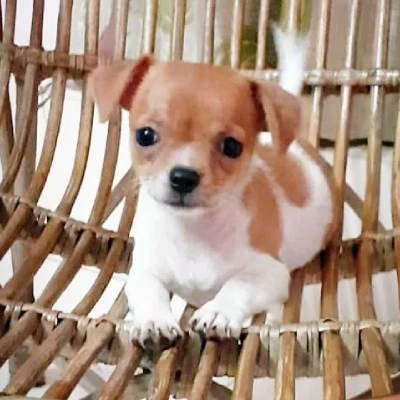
184, 180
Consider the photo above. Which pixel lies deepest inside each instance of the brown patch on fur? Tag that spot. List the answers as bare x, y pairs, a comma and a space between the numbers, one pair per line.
265, 228
287, 173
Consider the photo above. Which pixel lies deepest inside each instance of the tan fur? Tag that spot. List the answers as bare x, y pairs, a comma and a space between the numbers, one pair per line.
287, 173
264, 229
222, 107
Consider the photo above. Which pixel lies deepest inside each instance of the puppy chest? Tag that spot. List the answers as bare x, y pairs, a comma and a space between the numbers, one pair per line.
198, 264
199, 273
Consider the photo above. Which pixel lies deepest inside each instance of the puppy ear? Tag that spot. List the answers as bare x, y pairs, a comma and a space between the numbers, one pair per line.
279, 112
117, 83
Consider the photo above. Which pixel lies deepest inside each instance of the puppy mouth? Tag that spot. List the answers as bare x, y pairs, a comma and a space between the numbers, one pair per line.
181, 203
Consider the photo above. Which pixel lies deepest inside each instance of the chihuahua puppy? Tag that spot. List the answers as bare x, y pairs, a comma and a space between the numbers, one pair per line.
226, 210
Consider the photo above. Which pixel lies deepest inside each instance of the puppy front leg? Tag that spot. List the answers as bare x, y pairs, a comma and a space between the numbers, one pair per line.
149, 301
261, 287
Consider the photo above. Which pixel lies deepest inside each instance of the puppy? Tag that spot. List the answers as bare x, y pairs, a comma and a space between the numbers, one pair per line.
224, 213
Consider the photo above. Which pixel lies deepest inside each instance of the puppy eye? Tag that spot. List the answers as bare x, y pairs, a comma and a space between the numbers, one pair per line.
231, 148
146, 136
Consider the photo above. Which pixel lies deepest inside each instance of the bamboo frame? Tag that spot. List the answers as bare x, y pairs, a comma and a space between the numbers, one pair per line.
329, 348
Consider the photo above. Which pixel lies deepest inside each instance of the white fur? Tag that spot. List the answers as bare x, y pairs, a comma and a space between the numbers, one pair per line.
292, 55
264, 138
206, 259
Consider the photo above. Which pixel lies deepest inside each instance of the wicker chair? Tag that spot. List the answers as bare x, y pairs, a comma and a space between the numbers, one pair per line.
33, 334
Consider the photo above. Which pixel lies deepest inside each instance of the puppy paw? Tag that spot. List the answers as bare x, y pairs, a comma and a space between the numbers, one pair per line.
211, 322
155, 332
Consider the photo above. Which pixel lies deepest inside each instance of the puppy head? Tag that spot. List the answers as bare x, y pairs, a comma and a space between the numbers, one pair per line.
194, 127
